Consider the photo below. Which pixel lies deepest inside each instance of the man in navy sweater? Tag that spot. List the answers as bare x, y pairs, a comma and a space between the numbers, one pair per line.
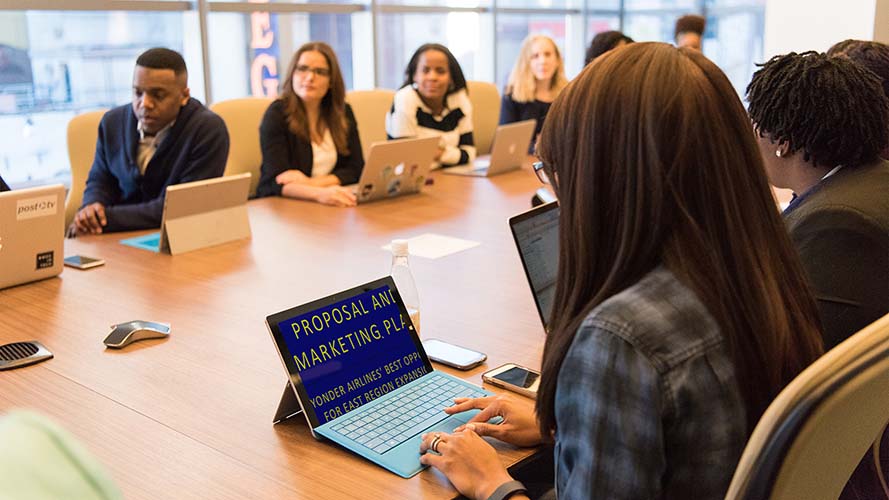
165, 137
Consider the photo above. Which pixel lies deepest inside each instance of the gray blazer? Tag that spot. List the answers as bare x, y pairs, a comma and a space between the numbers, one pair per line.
841, 230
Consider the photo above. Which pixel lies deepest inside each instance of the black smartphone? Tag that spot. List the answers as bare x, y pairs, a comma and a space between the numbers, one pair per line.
453, 355
82, 262
516, 378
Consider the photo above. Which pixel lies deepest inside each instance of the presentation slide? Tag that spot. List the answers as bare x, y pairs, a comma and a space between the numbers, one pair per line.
352, 352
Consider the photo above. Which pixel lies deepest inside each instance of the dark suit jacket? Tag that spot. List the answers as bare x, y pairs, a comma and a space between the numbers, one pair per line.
841, 230
283, 150
3, 185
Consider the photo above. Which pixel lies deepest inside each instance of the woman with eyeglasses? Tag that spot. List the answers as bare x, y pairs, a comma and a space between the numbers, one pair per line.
433, 102
680, 310
309, 137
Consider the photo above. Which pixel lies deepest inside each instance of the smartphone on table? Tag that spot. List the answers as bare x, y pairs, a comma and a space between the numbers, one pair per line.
453, 355
83, 262
516, 378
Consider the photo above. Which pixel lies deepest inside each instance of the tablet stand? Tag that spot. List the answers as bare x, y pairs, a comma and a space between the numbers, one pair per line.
288, 407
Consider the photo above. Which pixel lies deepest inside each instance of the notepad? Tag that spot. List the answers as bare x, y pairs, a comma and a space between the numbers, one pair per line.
434, 246
150, 242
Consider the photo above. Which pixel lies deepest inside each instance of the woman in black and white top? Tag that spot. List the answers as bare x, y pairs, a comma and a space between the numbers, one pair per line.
433, 102
309, 137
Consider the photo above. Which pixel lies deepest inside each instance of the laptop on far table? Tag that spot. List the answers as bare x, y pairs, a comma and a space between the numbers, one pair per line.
360, 377
508, 153
395, 168
536, 235
32, 233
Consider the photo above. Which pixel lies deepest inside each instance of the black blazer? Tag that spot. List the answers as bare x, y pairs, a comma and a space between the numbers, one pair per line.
3, 185
282, 150
841, 230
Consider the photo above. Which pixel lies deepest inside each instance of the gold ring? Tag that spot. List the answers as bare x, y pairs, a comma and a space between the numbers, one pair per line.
434, 444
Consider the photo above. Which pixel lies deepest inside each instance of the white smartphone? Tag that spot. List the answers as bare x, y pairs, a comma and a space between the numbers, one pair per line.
81, 262
513, 377
453, 355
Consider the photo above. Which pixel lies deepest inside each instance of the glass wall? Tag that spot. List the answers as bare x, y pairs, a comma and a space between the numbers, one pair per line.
55, 64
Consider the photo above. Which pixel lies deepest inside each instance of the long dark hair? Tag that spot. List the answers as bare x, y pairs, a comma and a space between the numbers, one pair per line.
654, 162
333, 105
458, 81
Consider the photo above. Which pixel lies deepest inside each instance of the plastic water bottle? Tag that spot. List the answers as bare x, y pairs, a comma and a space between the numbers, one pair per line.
404, 281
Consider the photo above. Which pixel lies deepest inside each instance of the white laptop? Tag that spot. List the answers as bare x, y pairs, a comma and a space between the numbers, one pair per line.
32, 233
200, 214
395, 168
508, 152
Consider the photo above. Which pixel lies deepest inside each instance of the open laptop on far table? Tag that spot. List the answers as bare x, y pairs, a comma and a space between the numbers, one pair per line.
200, 214
32, 233
360, 376
395, 168
536, 235
509, 151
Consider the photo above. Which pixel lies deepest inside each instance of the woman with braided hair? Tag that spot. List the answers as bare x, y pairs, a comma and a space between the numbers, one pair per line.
821, 122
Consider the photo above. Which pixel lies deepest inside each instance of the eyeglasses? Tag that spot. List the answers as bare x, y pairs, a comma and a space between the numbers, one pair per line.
303, 69
540, 171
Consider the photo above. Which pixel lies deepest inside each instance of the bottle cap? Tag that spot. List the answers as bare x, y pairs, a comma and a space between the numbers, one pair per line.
399, 248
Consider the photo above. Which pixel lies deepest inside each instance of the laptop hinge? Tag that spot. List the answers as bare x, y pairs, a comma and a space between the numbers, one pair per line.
288, 407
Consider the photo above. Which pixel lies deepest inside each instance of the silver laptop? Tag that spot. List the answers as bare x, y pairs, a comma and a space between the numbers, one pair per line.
395, 168
536, 234
359, 375
200, 214
509, 151
32, 232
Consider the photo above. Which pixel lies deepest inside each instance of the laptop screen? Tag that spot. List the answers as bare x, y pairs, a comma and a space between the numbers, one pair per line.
536, 234
349, 349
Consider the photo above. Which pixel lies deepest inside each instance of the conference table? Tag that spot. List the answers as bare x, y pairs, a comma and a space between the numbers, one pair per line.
190, 416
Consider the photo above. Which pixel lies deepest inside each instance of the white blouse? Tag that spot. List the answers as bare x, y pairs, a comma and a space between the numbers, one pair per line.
323, 156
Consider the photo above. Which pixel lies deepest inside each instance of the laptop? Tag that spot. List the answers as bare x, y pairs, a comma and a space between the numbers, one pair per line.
32, 232
508, 152
200, 214
536, 235
395, 168
360, 377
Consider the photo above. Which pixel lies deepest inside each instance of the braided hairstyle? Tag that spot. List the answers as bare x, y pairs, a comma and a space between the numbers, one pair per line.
872, 55
831, 108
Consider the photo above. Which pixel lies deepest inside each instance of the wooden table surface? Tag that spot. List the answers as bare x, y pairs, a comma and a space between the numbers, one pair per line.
191, 416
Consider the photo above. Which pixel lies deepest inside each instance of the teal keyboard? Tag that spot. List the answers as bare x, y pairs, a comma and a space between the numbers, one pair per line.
384, 426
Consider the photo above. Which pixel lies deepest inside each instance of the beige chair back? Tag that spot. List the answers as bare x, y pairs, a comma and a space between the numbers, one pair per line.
242, 118
83, 132
370, 108
812, 437
485, 99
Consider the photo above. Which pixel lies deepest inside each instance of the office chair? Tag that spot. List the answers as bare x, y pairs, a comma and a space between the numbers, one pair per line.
83, 132
370, 108
485, 100
811, 438
242, 118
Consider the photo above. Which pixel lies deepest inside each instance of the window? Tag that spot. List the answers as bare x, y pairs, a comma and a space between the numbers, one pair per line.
57, 63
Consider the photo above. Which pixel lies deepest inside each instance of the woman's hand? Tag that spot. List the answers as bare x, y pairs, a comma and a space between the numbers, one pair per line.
470, 463
336, 196
291, 176
519, 426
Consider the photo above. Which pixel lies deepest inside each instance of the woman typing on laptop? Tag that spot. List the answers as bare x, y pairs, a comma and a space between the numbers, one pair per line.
672, 328
309, 137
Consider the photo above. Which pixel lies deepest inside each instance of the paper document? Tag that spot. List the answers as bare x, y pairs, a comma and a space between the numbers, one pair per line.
434, 246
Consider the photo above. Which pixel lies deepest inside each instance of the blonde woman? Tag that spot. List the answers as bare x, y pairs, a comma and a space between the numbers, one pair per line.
536, 79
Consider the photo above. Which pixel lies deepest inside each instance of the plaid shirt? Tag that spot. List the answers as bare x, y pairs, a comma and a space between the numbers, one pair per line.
647, 404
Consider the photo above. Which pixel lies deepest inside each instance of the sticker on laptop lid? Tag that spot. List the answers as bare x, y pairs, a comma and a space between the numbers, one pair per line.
45, 259
31, 208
